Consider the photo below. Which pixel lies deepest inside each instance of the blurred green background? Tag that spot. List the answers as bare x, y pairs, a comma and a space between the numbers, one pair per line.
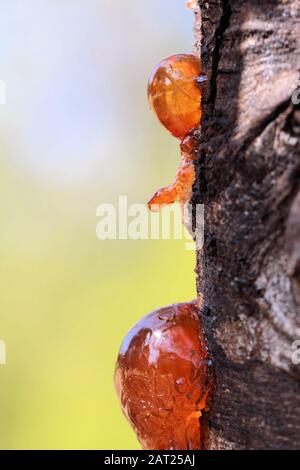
77, 131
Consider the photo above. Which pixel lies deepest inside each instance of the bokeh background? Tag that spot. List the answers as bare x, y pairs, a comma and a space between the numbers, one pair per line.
77, 131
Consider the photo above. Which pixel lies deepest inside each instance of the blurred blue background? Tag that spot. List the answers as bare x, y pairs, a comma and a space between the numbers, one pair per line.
76, 131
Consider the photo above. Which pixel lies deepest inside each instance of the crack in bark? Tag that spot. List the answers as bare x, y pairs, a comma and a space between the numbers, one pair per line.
261, 126
254, 134
219, 40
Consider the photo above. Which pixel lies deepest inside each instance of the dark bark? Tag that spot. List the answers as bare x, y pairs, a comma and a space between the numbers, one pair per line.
249, 180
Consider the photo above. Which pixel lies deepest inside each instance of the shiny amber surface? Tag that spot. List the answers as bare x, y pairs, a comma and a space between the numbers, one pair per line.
181, 188
175, 95
161, 378
192, 4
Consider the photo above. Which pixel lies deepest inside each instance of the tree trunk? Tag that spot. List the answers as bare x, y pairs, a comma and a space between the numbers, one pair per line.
249, 181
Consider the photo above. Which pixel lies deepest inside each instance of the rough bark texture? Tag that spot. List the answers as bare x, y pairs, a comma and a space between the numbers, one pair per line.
249, 180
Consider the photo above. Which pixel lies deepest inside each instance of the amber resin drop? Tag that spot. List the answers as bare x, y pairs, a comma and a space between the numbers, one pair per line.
161, 378
174, 94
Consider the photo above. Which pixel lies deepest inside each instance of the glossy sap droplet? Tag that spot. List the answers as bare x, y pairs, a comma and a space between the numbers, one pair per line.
161, 378
175, 95
192, 4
